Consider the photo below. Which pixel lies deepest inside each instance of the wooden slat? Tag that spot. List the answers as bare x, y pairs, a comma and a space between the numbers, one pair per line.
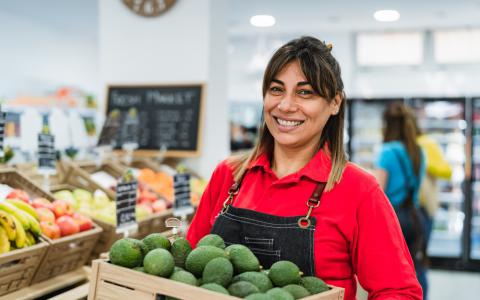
80, 292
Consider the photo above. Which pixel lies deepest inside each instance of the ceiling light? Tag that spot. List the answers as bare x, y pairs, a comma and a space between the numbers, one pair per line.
262, 21
387, 15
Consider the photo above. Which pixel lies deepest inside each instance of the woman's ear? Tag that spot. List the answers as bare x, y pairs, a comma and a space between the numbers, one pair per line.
336, 103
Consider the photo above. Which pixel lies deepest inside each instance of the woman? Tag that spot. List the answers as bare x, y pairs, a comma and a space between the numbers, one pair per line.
401, 168
295, 197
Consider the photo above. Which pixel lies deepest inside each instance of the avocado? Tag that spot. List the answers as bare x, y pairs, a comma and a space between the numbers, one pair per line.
185, 277
180, 249
260, 280
219, 270
216, 288
314, 285
297, 291
159, 262
176, 269
242, 289
212, 240
258, 296
155, 241
126, 253
242, 258
283, 273
141, 244
200, 256
280, 294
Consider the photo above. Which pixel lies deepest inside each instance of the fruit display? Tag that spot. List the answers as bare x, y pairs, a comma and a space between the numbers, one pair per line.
232, 270
162, 183
19, 223
97, 204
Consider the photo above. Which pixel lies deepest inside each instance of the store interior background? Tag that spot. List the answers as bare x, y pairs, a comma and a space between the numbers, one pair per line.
89, 44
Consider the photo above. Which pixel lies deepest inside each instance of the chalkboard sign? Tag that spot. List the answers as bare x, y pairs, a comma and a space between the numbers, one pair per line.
168, 116
46, 152
3, 118
126, 193
181, 186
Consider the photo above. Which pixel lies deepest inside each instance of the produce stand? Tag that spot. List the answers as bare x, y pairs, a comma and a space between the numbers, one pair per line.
113, 282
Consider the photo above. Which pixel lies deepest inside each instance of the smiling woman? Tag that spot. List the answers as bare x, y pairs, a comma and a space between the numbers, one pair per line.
297, 191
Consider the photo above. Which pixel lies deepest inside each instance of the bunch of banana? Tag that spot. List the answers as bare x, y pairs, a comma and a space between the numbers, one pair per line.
19, 225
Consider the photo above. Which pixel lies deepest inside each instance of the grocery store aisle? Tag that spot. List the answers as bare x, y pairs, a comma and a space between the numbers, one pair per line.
447, 285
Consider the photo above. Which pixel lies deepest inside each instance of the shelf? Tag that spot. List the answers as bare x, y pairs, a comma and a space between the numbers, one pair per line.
442, 124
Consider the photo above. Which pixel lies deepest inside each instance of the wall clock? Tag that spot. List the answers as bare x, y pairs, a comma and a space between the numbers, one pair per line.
149, 8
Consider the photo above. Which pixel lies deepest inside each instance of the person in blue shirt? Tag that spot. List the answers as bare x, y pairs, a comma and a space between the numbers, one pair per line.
400, 168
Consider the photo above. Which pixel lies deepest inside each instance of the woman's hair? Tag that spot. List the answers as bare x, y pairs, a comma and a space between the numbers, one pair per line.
400, 125
323, 72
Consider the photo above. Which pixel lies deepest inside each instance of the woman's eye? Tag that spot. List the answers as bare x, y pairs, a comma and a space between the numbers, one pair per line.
305, 92
275, 90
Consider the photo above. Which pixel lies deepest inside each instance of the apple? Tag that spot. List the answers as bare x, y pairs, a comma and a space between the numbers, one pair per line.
159, 205
62, 208
42, 202
50, 229
19, 194
67, 225
44, 214
84, 223
146, 196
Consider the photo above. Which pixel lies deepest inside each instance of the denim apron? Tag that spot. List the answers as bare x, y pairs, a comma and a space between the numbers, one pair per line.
271, 238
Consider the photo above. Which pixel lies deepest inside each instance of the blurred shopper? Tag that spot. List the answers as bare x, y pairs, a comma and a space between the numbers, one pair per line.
295, 197
401, 168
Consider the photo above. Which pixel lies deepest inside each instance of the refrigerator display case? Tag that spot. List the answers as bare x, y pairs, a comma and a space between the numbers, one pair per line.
444, 120
475, 221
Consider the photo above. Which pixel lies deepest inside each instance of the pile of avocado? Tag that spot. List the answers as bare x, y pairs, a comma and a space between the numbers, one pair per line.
232, 270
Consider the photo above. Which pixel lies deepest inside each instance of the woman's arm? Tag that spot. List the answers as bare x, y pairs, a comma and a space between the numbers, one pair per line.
380, 256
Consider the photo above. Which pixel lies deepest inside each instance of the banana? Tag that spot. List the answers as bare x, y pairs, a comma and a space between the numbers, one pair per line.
8, 225
34, 225
17, 213
4, 242
30, 239
25, 207
21, 236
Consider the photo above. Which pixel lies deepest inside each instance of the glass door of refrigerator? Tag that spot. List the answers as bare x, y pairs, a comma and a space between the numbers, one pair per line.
475, 233
444, 121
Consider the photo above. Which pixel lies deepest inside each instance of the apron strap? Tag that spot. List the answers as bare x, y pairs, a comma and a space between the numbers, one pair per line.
312, 202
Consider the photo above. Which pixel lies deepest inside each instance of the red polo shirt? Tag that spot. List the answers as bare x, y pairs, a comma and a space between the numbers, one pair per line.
357, 232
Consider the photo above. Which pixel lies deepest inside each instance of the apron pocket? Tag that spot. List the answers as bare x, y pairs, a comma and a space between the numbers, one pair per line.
266, 257
259, 243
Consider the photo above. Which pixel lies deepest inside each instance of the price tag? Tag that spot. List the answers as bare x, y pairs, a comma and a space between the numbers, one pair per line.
181, 185
110, 129
46, 153
125, 203
3, 117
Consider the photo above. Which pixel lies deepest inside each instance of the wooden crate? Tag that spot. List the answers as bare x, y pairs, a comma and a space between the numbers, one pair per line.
113, 282
18, 267
67, 253
30, 171
18, 181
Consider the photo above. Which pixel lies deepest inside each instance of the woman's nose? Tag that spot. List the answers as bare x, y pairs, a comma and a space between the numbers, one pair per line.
287, 104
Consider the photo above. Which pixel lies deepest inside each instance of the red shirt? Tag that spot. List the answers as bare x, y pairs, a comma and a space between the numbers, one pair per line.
357, 232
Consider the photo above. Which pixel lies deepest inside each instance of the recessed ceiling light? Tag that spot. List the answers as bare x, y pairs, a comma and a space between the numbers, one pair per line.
387, 15
262, 21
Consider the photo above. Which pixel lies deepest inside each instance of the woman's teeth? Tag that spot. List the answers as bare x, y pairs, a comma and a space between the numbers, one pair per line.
288, 123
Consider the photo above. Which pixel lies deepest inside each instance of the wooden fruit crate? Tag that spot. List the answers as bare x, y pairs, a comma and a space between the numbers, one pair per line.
30, 171
113, 282
17, 180
18, 267
67, 253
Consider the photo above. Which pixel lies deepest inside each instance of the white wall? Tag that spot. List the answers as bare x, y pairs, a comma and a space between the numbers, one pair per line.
184, 45
48, 44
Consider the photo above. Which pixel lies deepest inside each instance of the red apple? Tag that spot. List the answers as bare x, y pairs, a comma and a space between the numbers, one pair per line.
42, 202
67, 225
44, 214
84, 223
19, 194
62, 208
50, 229
159, 205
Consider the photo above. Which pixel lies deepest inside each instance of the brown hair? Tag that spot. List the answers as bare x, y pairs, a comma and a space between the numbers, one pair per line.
400, 125
323, 72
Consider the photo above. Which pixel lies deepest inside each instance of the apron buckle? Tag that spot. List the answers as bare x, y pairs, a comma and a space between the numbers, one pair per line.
304, 222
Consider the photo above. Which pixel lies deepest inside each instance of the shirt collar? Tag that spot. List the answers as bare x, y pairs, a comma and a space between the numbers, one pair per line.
317, 169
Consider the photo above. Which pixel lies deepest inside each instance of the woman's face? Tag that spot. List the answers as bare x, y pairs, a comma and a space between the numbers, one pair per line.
293, 112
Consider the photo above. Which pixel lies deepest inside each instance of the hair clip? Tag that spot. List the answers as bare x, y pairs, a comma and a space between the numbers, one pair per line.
330, 46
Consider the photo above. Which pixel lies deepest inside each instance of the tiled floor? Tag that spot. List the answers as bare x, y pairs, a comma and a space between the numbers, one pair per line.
449, 285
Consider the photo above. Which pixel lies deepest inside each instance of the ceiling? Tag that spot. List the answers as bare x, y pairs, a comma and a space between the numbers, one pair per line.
304, 16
